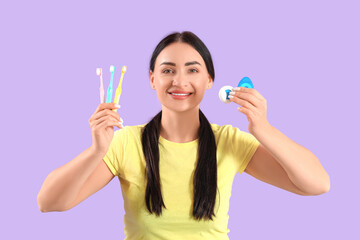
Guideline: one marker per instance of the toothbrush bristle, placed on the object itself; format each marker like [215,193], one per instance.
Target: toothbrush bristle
[112,68]
[98,71]
[123,70]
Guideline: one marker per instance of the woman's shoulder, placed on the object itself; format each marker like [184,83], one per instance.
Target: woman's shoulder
[131,129]
[229,134]
[226,130]
[221,128]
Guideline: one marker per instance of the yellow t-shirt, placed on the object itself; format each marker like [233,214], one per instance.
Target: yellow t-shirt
[126,160]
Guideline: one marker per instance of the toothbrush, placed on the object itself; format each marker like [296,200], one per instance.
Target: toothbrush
[118,90]
[99,73]
[110,89]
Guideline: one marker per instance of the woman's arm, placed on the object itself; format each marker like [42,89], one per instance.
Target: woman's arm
[62,186]
[301,166]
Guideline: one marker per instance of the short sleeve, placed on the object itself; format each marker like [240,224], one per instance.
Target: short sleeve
[244,147]
[114,157]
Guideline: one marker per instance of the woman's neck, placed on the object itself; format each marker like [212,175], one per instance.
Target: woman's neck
[180,127]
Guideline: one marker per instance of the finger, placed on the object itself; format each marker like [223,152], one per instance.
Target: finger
[95,123]
[107,123]
[245,97]
[244,110]
[106,112]
[103,106]
[251,91]
[250,98]
[243,103]
[103,119]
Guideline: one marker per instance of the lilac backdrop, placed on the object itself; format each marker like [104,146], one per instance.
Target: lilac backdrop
[303,58]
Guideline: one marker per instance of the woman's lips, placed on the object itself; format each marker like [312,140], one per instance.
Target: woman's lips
[180,97]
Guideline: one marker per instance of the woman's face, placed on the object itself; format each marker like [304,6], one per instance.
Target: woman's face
[179,67]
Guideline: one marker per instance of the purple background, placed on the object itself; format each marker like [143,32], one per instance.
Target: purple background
[302,57]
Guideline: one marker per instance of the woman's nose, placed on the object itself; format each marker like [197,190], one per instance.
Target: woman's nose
[180,79]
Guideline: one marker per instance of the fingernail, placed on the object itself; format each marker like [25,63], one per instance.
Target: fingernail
[117,105]
[121,120]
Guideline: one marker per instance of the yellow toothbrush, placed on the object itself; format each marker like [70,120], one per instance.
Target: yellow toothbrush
[118,90]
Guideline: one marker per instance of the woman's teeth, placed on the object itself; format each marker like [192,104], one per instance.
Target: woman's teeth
[180,94]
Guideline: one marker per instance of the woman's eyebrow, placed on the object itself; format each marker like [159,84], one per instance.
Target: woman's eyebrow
[192,63]
[186,64]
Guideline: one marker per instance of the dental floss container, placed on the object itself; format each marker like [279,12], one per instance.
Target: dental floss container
[224,91]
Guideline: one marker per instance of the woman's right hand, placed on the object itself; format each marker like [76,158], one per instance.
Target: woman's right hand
[102,124]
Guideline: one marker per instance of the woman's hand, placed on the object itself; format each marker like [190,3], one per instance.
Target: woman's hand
[102,124]
[253,105]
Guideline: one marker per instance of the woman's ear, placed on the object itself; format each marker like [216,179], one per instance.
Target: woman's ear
[210,83]
[152,84]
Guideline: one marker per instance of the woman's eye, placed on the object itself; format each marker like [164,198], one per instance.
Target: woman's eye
[167,71]
[193,70]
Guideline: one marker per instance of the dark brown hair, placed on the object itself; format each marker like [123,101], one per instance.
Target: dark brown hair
[205,176]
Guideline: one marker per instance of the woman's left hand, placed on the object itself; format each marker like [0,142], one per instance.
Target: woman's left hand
[253,105]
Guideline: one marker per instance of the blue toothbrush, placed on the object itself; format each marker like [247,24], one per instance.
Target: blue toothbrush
[110,88]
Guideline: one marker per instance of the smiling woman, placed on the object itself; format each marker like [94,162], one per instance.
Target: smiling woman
[177,170]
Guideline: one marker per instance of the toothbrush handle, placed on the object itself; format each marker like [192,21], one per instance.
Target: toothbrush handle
[109,96]
[117,97]
[110,89]
[102,94]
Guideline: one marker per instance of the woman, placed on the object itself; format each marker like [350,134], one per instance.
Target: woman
[176,171]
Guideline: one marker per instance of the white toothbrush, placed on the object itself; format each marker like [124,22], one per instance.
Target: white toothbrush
[102,95]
